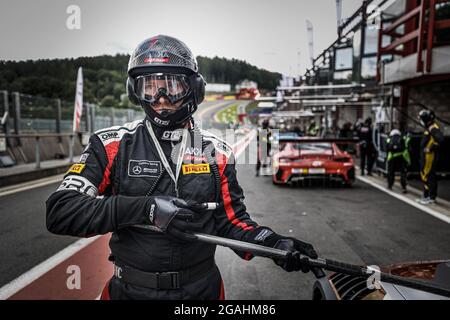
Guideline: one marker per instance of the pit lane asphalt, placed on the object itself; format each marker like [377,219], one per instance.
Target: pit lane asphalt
[357,225]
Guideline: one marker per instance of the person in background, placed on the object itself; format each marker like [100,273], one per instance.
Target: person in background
[398,158]
[429,148]
[346,132]
[367,148]
[263,146]
[299,131]
[313,129]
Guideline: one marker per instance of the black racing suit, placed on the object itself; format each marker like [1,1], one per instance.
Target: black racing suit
[367,148]
[121,163]
[431,141]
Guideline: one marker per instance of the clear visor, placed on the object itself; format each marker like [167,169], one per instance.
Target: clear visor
[171,86]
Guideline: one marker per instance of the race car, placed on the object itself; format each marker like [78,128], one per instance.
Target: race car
[300,159]
[339,286]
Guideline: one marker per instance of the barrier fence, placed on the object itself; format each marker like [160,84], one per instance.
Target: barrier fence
[34,129]
[33,114]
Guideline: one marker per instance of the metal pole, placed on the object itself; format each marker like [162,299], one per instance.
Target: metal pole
[58,118]
[431,27]
[5,111]
[38,158]
[88,118]
[71,145]
[112,116]
[391,102]
[231,243]
[6,115]
[363,37]
[17,115]
[93,117]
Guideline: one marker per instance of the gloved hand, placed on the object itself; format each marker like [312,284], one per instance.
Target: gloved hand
[295,247]
[178,217]
[292,262]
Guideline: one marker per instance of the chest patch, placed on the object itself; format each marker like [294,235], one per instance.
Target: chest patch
[174,136]
[194,155]
[196,168]
[144,168]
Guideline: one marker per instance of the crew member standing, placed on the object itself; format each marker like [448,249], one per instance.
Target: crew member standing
[162,172]
[398,158]
[263,146]
[313,129]
[367,148]
[429,147]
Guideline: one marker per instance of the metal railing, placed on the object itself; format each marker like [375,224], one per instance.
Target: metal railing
[37,138]
[26,116]
[26,113]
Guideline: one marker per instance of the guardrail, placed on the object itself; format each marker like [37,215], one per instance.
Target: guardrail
[37,137]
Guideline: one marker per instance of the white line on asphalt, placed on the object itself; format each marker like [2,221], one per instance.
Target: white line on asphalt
[30,185]
[247,139]
[28,277]
[428,210]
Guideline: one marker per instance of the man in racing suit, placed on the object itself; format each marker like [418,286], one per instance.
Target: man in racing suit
[366,146]
[429,147]
[160,172]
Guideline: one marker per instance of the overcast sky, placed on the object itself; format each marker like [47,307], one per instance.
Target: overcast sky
[266,33]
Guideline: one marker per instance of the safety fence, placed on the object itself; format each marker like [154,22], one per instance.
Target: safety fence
[33,114]
[35,129]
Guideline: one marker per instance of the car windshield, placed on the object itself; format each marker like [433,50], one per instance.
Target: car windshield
[315,146]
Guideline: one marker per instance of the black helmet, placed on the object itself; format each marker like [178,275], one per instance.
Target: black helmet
[368,121]
[426,117]
[164,57]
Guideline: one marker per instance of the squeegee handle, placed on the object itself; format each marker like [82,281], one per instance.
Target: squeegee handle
[255,249]
[317,265]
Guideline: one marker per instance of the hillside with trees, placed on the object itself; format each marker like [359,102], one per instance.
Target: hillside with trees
[105,76]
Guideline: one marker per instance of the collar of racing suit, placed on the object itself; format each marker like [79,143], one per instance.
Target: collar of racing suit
[172,134]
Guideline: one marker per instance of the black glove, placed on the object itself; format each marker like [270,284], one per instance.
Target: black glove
[295,247]
[178,217]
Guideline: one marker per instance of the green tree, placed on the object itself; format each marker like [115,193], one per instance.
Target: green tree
[109,102]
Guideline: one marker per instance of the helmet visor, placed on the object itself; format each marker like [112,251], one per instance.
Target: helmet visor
[152,87]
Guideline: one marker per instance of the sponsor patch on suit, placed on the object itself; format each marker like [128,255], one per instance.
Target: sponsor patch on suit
[196,168]
[144,168]
[83,158]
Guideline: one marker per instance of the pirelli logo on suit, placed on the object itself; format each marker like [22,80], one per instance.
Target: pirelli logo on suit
[196,168]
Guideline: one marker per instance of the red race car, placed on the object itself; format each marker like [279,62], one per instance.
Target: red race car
[303,159]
